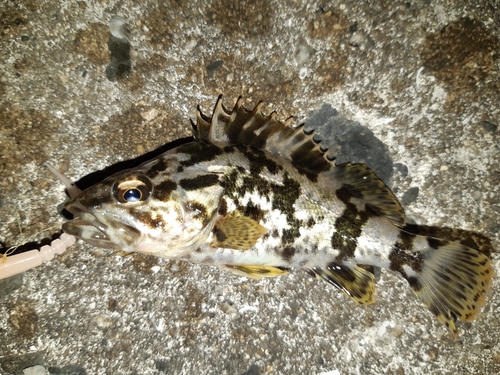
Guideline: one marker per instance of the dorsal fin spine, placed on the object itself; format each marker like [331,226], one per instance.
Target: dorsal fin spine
[264,132]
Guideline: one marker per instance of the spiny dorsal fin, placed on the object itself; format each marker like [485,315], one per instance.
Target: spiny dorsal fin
[264,132]
[366,185]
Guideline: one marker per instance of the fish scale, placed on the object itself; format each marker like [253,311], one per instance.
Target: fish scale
[259,197]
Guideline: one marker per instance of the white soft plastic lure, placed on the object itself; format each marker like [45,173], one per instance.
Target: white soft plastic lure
[11,265]
[14,264]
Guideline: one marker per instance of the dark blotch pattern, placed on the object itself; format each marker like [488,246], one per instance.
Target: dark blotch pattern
[146,218]
[283,196]
[163,190]
[259,160]
[311,175]
[201,211]
[199,151]
[199,182]
[401,254]
[414,283]
[399,258]
[435,243]
[348,226]
[465,237]
[219,234]
[405,241]
[97,196]
[223,207]
[158,168]
[252,211]
[288,253]
[311,222]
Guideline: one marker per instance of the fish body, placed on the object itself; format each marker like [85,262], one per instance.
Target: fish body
[259,197]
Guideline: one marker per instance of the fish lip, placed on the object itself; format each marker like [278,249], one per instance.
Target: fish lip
[86,216]
[92,230]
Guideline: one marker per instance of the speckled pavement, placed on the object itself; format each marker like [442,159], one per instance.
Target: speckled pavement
[418,79]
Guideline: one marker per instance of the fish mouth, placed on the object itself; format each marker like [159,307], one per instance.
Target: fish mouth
[92,230]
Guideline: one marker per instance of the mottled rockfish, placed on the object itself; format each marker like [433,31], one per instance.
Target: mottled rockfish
[258,197]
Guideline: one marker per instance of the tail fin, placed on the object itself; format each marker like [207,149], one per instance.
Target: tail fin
[468,238]
[453,281]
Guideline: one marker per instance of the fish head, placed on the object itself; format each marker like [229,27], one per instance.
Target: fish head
[146,210]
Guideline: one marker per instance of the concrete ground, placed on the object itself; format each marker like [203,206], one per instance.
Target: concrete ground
[419,79]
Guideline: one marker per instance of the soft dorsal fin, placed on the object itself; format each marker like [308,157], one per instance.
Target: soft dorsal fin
[264,132]
[365,184]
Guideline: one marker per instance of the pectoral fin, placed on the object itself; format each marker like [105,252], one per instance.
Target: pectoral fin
[237,232]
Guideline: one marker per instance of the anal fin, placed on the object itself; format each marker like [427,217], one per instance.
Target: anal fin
[356,282]
[255,272]
[376,271]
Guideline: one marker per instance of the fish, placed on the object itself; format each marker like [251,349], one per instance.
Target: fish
[260,197]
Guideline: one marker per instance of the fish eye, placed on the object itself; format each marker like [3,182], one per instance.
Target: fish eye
[132,195]
[132,189]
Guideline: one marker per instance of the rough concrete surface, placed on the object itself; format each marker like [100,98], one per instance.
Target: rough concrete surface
[419,79]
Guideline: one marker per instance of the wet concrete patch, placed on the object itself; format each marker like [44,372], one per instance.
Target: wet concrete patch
[350,142]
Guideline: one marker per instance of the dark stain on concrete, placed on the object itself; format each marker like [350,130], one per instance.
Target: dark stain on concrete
[253,79]
[163,21]
[349,141]
[24,319]
[16,363]
[13,21]
[10,284]
[92,42]
[252,370]
[410,196]
[26,135]
[67,370]
[126,132]
[248,18]
[21,65]
[3,90]
[461,54]
[143,263]
[334,26]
